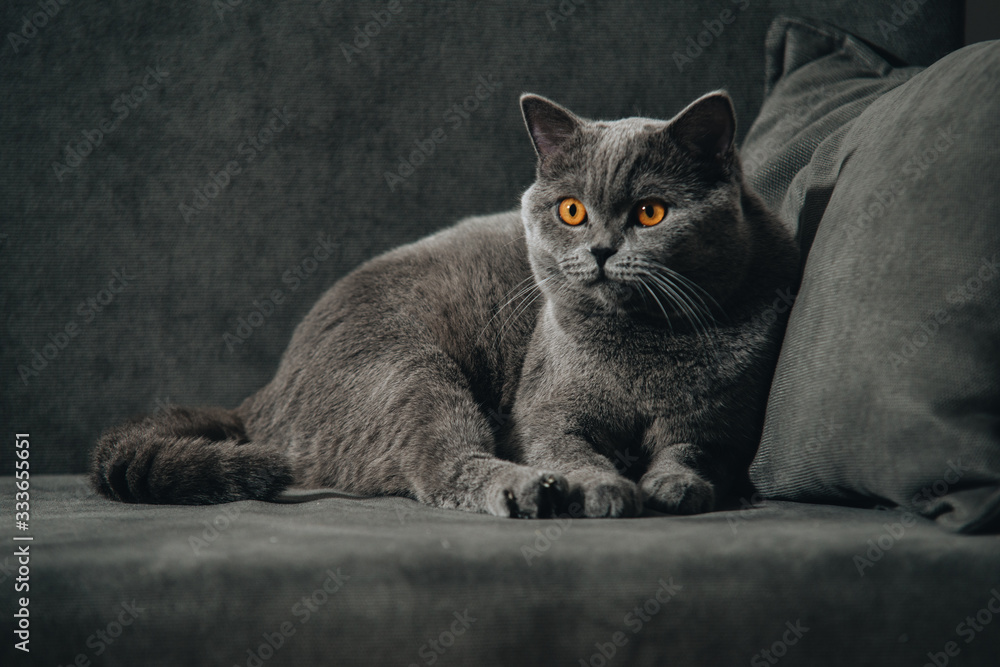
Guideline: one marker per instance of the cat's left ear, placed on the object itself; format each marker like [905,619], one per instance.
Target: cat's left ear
[707,126]
[549,124]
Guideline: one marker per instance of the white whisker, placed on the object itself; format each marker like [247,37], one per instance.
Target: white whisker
[662,309]
[520,309]
[697,290]
[520,292]
[679,300]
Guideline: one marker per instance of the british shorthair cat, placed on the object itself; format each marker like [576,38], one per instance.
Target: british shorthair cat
[620,323]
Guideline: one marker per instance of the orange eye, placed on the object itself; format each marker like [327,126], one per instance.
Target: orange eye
[651,212]
[571,211]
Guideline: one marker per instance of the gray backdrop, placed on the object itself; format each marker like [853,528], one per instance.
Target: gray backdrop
[171,171]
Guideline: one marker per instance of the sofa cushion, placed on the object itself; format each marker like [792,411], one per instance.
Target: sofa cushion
[818,79]
[888,385]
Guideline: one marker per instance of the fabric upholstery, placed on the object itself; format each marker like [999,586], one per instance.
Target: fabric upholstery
[385,577]
[818,80]
[887,388]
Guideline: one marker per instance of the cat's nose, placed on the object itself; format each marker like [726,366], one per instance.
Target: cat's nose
[601,255]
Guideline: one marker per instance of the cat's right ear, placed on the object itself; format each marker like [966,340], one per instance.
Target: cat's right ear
[549,124]
[707,126]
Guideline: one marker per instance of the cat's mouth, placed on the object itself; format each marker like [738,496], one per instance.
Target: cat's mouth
[624,289]
[608,289]
[615,288]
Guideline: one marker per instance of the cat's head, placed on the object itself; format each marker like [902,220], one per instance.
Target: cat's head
[636,215]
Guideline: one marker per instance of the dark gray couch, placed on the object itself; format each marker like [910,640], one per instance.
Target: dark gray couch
[243,156]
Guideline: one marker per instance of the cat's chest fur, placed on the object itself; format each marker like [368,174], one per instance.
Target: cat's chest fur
[631,373]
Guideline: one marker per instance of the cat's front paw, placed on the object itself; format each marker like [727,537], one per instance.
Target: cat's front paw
[678,493]
[528,493]
[605,495]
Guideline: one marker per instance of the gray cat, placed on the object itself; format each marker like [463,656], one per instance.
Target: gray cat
[609,346]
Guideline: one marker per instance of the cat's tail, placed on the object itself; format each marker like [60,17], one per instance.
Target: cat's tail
[186,456]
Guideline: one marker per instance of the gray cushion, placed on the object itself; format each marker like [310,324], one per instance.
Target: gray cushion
[818,80]
[216,582]
[888,386]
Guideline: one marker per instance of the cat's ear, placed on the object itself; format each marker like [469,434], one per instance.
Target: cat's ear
[549,124]
[707,126]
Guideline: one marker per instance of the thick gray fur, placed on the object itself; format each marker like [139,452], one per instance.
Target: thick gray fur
[517,365]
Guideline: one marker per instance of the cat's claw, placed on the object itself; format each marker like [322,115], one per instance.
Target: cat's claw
[678,493]
[533,494]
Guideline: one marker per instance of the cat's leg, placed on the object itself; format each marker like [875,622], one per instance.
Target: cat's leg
[685,478]
[484,483]
[550,440]
[447,452]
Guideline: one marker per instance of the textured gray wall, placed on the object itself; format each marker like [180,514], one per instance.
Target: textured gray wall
[116,299]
